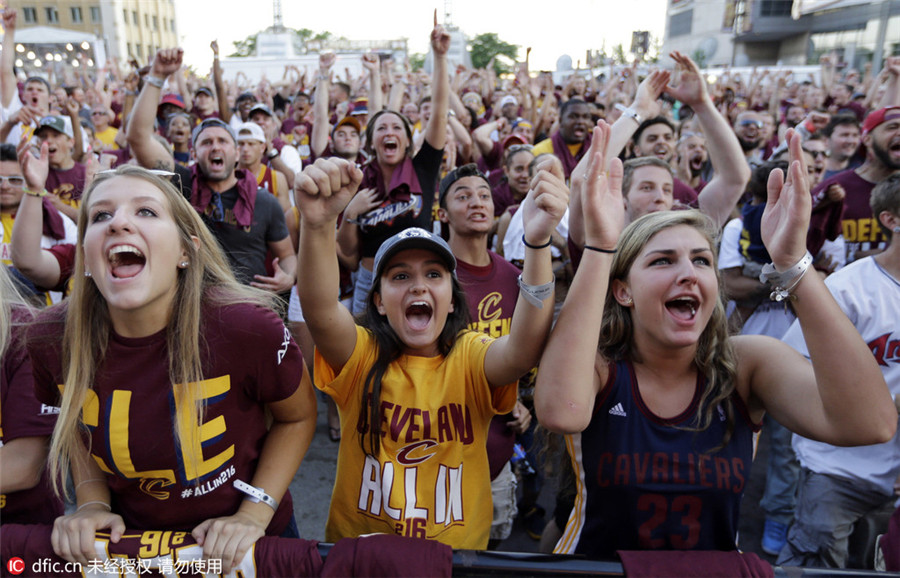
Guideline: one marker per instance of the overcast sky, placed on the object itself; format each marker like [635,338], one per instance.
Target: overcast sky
[550,28]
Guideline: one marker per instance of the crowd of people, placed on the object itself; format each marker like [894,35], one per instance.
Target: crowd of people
[620,281]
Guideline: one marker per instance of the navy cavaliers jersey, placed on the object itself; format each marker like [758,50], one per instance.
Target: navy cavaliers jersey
[644,482]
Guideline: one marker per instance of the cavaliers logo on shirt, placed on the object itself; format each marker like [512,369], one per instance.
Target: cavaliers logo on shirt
[387,213]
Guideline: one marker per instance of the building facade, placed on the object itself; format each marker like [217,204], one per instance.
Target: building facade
[783,32]
[129,28]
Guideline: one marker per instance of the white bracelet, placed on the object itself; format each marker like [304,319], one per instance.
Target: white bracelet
[255,494]
[783,282]
[108,507]
[154,80]
[535,294]
[630,113]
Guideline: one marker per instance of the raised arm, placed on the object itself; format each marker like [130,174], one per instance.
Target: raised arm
[514,354]
[892,86]
[28,257]
[8,88]
[720,196]
[571,371]
[321,126]
[645,105]
[219,83]
[376,97]
[148,152]
[841,398]
[436,131]
[321,192]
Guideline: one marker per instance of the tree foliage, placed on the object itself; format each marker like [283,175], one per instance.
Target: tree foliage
[416,61]
[245,47]
[484,47]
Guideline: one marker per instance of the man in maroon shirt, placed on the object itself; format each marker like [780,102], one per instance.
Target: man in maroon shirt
[862,234]
[491,286]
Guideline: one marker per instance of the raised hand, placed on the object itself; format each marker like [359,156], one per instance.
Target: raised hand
[546,203]
[34,169]
[603,207]
[166,62]
[440,38]
[214,45]
[691,88]
[786,217]
[326,61]
[9,19]
[324,188]
[646,100]
[370,63]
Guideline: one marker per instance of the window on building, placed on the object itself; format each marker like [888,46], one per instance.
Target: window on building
[147,20]
[52,14]
[680,24]
[156,22]
[76,15]
[172,24]
[30,15]
[128,48]
[140,51]
[775,7]
[134,17]
[95,14]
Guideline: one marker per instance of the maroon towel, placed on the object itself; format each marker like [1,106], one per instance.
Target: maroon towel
[53,223]
[404,181]
[201,195]
[695,563]
[388,555]
[31,543]
[561,150]
[890,544]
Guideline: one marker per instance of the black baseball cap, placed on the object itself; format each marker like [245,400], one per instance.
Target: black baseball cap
[413,238]
[469,170]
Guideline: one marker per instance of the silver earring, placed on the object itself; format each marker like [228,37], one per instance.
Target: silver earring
[628,302]
[896,229]
[183,264]
[87,273]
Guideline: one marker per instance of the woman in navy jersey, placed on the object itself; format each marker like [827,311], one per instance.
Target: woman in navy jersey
[184,403]
[658,402]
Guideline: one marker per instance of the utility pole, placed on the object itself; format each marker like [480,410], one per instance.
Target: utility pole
[878,56]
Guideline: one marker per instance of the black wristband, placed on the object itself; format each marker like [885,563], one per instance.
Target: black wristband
[600,249]
[530,246]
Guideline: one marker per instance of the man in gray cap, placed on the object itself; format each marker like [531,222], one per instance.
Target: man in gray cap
[246,220]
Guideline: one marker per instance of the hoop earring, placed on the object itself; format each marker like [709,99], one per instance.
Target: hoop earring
[87,273]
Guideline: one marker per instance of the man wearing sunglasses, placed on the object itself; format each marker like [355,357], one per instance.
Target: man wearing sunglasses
[247,221]
[748,128]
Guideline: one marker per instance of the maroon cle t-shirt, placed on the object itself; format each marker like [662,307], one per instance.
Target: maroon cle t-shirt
[249,360]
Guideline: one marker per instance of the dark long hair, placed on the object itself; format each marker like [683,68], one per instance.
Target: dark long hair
[389,349]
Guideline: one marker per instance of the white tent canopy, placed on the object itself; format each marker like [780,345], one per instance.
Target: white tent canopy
[51,35]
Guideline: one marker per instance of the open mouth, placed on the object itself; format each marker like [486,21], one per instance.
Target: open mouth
[683,308]
[126,261]
[390,145]
[216,162]
[696,162]
[419,314]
